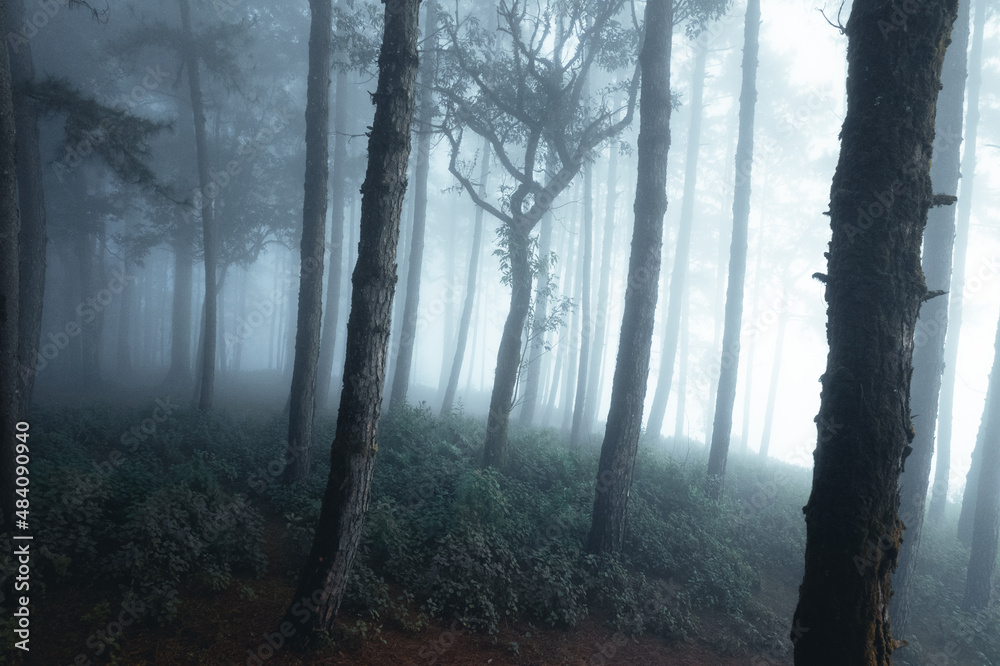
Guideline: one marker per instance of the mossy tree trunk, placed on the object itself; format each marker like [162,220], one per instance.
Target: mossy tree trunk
[722,425]
[932,325]
[880,196]
[321,586]
[628,392]
[302,401]
[31,204]
[9,279]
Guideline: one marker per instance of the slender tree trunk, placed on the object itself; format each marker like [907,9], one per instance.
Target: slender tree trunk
[331,318]
[241,317]
[324,578]
[552,361]
[31,202]
[722,425]
[682,372]
[509,355]
[569,348]
[576,433]
[754,333]
[772,391]
[967,517]
[932,325]
[408,332]
[302,404]
[125,315]
[983,558]
[90,317]
[9,290]
[191,65]
[718,306]
[628,393]
[879,201]
[536,348]
[470,291]
[678,276]
[179,374]
[939,496]
[593,396]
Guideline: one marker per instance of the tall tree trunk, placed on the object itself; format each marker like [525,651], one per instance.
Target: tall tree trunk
[576,433]
[179,374]
[573,267]
[932,325]
[722,425]
[331,317]
[509,355]
[718,303]
[302,403]
[939,496]
[628,392]
[678,277]
[983,558]
[323,581]
[967,517]
[536,347]
[426,108]
[191,65]
[470,290]
[754,333]
[682,353]
[31,203]
[880,196]
[90,317]
[772,391]
[9,278]
[241,315]
[604,286]
[125,316]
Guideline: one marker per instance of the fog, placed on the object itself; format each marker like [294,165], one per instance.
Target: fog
[123,311]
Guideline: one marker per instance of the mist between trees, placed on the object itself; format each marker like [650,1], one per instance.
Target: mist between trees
[527,331]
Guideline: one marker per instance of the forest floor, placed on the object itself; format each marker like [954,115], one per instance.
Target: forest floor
[230,626]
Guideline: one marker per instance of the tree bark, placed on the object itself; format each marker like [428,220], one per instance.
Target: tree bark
[983,558]
[722,425]
[179,374]
[754,333]
[302,404]
[426,108]
[321,586]
[205,198]
[772,391]
[628,392]
[125,315]
[536,347]
[880,196]
[964,214]
[31,204]
[470,291]
[576,432]
[9,290]
[932,325]
[604,286]
[682,354]
[678,277]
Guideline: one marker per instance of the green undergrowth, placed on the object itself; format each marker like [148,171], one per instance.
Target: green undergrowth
[146,505]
